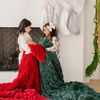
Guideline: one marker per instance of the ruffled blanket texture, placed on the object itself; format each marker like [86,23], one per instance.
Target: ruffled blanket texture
[27,84]
[52,83]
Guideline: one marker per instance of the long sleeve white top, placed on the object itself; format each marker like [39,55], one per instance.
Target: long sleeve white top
[22,43]
[55,45]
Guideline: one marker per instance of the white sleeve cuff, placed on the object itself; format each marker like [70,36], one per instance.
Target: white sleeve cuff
[55,44]
[24,45]
[67,7]
[77,7]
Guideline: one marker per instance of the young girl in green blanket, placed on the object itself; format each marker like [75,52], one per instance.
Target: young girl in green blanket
[51,77]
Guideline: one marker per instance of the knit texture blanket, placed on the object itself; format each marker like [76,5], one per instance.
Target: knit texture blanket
[27,84]
[52,83]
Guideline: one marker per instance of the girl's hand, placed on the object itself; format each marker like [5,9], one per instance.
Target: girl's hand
[31,43]
[39,42]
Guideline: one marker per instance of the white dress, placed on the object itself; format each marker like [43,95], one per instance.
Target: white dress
[22,43]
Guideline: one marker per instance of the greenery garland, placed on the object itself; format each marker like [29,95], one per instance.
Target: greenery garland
[93,66]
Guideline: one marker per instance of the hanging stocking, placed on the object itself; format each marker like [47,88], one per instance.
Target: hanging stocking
[55,20]
[56,15]
[73,19]
[46,15]
[64,17]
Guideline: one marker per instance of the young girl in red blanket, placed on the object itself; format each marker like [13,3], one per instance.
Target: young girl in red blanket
[27,84]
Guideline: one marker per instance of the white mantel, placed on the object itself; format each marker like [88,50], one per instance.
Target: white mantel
[73,49]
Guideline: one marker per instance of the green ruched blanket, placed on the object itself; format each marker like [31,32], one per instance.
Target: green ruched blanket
[52,83]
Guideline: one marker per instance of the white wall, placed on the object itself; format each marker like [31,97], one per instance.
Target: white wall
[13,11]
[71,52]
[75,51]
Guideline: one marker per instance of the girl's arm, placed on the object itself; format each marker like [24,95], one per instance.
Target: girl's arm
[23,44]
[55,44]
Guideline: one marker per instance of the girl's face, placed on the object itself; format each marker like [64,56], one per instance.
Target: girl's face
[46,31]
[28,29]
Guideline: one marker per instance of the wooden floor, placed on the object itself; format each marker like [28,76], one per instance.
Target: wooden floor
[95,84]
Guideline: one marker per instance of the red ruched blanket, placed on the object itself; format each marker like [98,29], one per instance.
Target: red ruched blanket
[27,84]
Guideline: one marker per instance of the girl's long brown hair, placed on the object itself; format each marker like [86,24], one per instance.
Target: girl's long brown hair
[53,33]
[21,29]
